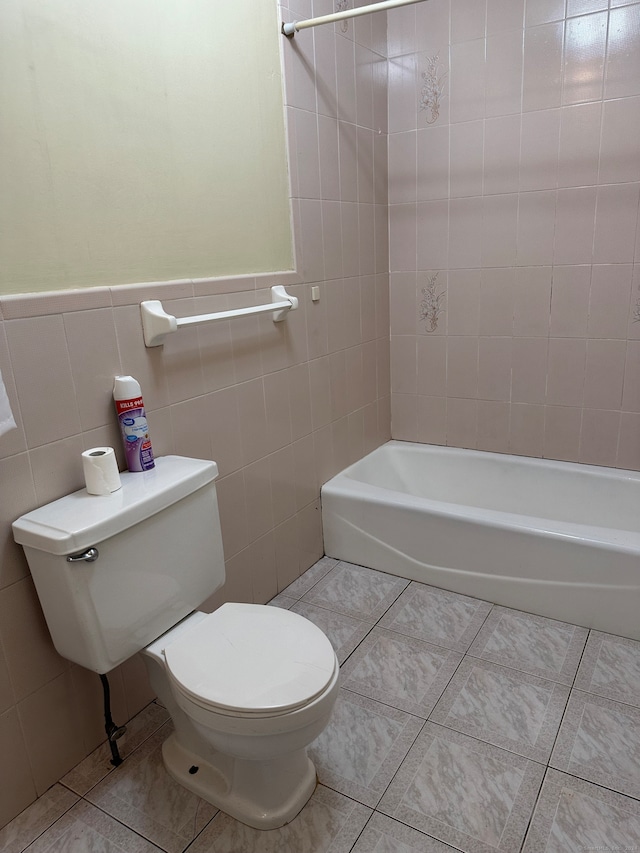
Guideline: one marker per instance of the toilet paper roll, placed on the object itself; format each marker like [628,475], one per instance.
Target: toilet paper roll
[101,471]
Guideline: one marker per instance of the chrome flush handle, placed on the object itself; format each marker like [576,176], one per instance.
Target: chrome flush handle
[88,556]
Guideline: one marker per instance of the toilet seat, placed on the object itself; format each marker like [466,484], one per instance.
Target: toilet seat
[248,660]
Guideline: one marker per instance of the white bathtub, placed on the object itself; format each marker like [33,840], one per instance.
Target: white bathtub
[553,538]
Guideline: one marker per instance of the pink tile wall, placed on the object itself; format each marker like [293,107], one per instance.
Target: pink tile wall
[281,408]
[515,254]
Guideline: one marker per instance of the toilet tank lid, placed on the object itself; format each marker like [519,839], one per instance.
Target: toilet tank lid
[80,520]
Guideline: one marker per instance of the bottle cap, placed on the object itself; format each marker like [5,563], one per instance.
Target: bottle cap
[126,388]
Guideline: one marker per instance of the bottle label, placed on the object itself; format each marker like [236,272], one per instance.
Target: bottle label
[135,434]
[127,405]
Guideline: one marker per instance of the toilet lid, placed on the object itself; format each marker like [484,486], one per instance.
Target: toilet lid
[252,659]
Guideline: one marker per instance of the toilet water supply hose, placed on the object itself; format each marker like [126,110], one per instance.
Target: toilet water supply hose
[113,732]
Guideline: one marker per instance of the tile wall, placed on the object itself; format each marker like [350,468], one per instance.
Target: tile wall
[514,182]
[281,408]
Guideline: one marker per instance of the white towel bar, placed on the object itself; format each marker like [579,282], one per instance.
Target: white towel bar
[156,322]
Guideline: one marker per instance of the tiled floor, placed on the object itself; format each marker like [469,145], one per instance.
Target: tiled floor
[460,725]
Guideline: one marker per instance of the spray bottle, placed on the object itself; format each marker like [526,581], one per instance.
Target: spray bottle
[133,424]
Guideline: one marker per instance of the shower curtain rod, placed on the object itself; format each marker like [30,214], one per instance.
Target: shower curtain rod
[290,30]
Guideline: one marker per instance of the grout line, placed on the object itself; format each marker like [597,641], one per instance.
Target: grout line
[59,817]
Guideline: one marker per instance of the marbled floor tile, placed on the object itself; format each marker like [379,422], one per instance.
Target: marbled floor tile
[510,709]
[384,835]
[437,616]
[599,740]
[362,747]
[35,819]
[329,823]
[573,816]
[531,644]
[401,671]
[356,591]
[141,794]
[610,667]
[345,632]
[98,765]
[310,578]
[469,794]
[282,600]
[86,829]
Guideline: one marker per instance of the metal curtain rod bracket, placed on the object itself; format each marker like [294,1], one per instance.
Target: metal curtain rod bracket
[291,29]
[156,322]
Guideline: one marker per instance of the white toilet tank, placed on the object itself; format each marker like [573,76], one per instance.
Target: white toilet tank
[159,557]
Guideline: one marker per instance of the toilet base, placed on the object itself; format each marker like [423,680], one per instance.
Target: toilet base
[262,794]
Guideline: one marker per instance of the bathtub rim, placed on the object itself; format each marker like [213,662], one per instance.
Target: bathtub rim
[590,582]
[617,539]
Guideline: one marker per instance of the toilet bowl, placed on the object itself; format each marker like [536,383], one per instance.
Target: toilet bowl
[248,687]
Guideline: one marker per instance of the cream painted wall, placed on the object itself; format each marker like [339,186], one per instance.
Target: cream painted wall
[140,140]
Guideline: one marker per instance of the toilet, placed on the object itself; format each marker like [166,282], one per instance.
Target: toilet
[248,687]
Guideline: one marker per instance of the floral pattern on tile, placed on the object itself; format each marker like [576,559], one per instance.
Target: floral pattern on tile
[356,591]
[342,6]
[610,667]
[401,671]
[513,710]
[469,794]
[362,747]
[35,819]
[344,632]
[141,794]
[599,740]
[86,829]
[329,823]
[432,91]
[533,644]
[575,815]
[432,303]
[384,835]
[437,616]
